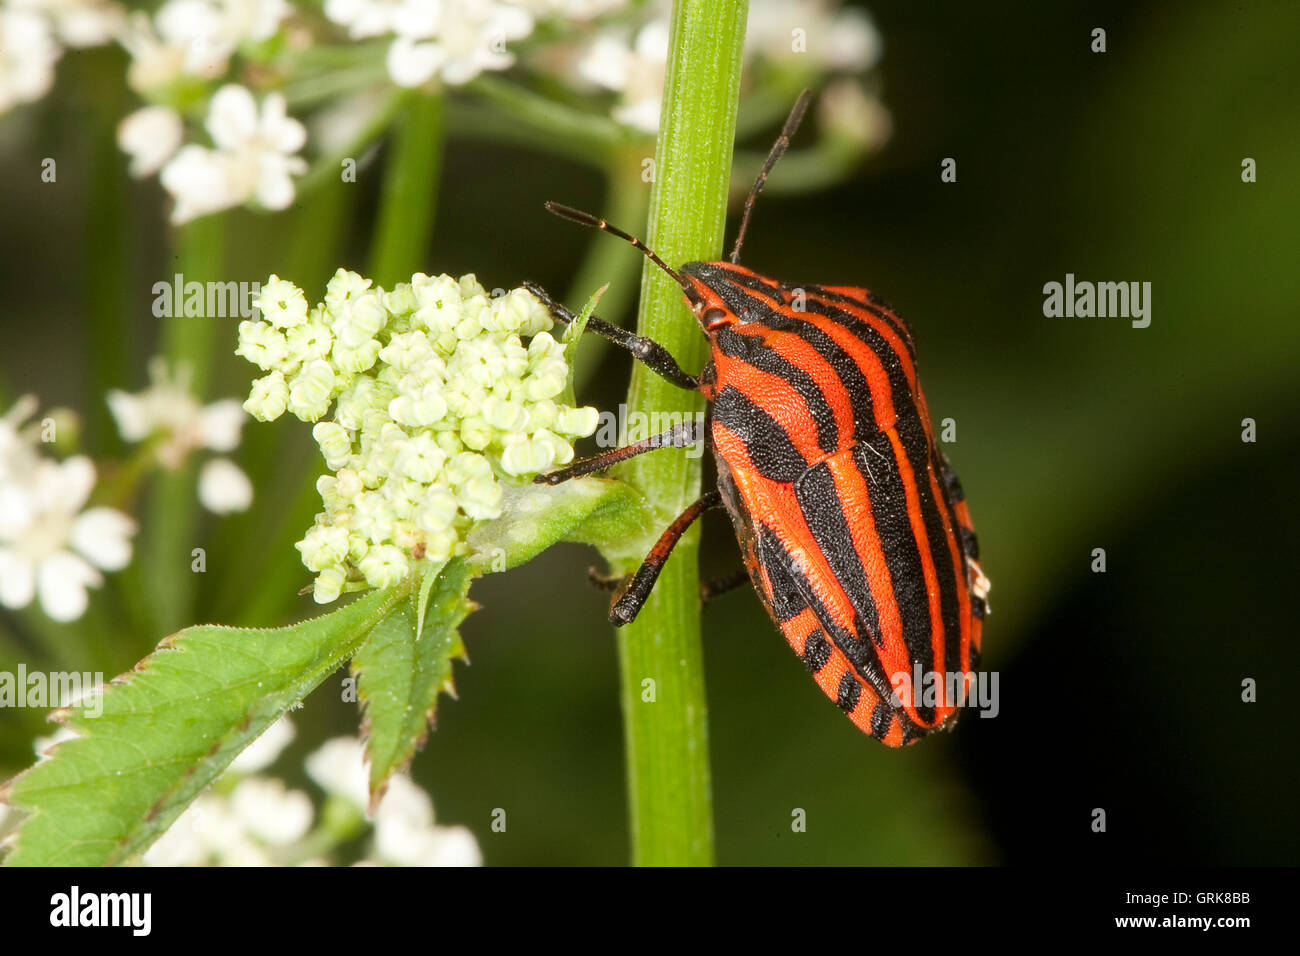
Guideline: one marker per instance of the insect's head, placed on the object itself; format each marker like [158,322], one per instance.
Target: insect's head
[704,285]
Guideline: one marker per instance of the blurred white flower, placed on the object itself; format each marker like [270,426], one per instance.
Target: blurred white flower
[50,548]
[455,40]
[372,18]
[184,39]
[261,821]
[254,20]
[194,38]
[338,767]
[223,487]
[78,23]
[634,68]
[28,53]
[405,834]
[264,751]
[168,412]
[269,811]
[844,110]
[18,455]
[167,408]
[254,157]
[150,136]
[817,35]
[208,833]
[832,37]
[571,9]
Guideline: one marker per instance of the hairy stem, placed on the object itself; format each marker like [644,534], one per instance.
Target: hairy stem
[400,246]
[666,721]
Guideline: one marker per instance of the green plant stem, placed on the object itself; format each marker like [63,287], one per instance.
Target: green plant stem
[562,124]
[164,577]
[410,191]
[667,739]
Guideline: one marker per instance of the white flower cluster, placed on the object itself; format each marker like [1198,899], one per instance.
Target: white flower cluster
[188,40]
[405,834]
[51,546]
[254,154]
[453,40]
[33,34]
[260,822]
[436,401]
[818,36]
[183,46]
[168,413]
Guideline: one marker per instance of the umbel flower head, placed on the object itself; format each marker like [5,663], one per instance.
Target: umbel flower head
[425,399]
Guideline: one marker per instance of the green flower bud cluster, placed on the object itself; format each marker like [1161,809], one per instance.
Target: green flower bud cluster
[436,401]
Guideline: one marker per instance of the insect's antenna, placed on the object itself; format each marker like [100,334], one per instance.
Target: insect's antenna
[778,149]
[595,222]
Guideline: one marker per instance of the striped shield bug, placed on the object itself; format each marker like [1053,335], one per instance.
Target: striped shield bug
[853,527]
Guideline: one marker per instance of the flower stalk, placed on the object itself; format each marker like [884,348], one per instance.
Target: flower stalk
[666,723]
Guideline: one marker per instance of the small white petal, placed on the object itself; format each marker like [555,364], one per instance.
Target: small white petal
[278,130]
[271,812]
[274,184]
[224,488]
[606,62]
[18,509]
[61,583]
[150,136]
[232,116]
[17,579]
[411,63]
[67,486]
[339,767]
[131,412]
[201,181]
[220,424]
[642,115]
[263,751]
[103,537]
[454,846]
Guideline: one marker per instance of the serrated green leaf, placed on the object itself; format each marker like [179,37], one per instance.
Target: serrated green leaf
[170,726]
[593,510]
[572,337]
[404,665]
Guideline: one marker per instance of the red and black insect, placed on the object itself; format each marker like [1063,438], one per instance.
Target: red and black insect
[853,526]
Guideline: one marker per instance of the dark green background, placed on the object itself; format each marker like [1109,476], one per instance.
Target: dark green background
[1119,690]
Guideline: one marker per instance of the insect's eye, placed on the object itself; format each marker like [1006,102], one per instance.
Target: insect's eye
[713,316]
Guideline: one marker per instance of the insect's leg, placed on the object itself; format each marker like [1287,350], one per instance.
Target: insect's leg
[719,586]
[655,357]
[979,582]
[605,582]
[632,594]
[970,544]
[682,435]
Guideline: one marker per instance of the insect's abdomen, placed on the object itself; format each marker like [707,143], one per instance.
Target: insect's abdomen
[853,525]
